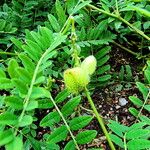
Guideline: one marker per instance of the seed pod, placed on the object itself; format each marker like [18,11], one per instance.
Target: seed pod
[89,64]
[75,79]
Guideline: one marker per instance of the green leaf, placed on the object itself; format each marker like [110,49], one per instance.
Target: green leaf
[69,107]
[44,103]
[50,119]
[54,23]
[16,42]
[39,92]
[142,11]
[128,73]
[14,102]
[24,75]
[8,118]
[103,61]
[137,133]
[32,105]
[6,137]
[16,144]
[118,141]
[2,24]
[80,6]
[135,100]
[12,65]
[62,96]
[103,69]
[147,75]
[133,111]
[60,12]
[26,120]
[2,73]
[145,119]
[117,128]
[70,146]
[147,107]
[6,84]
[79,122]
[121,73]
[58,135]
[20,85]
[86,136]
[27,62]
[143,89]
[104,78]
[138,144]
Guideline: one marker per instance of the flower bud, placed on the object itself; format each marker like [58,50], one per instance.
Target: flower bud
[76,79]
[89,64]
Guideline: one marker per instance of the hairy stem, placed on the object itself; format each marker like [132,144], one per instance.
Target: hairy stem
[67,126]
[100,120]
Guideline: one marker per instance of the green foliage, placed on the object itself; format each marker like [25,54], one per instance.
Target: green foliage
[130,137]
[37,40]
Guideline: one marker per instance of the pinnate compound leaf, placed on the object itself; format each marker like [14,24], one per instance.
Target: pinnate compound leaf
[26,120]
[70,146]
[8,118]
[138,144]
[58,135]
[6,137]
[80,122]
[50,119]
[86,136]
[68,108]
[16,144]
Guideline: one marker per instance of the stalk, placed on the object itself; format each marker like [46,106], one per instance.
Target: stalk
[100,120]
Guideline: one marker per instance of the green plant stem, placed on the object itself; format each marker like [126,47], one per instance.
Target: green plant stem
[100,120]
[121,19]
[126,49]
[8,53]
[124,141]
[145,101]
[67,126]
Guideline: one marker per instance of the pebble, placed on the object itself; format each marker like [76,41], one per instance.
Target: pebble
[117,107]
[122,101]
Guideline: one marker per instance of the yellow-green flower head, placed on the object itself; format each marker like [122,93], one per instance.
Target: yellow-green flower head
[76,79]
[89,64]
